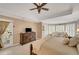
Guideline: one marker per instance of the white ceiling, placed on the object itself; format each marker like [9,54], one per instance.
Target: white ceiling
[22,11]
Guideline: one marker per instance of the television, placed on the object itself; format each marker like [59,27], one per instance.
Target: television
[28,30]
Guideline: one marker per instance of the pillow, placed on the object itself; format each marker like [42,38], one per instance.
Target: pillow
[72,42]
[66,41]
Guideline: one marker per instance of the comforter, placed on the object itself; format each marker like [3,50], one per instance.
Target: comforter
[53,46]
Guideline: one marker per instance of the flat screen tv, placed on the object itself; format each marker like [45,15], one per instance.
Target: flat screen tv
[28,30]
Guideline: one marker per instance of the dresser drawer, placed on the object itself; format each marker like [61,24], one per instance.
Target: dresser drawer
[27,37]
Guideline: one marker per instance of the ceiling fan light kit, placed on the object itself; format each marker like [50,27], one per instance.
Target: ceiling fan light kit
[39,7]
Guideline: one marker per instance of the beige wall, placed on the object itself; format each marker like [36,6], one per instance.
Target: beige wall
[20,25]
[39,30]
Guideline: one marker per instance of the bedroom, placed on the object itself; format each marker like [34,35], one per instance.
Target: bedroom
[54,21]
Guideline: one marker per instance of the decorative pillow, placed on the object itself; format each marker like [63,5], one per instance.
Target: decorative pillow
[66,41]
[65,35]
[72,42]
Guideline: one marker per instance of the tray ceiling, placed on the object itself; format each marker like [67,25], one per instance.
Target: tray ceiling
[21,10]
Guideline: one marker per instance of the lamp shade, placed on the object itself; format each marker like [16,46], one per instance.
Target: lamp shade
[78,30]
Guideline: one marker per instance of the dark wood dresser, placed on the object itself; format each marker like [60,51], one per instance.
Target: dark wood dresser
[27,37]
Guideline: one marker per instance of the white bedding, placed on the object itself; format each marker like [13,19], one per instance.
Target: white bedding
[53,46]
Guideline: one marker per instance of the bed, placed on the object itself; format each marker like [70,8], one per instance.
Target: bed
[52,45]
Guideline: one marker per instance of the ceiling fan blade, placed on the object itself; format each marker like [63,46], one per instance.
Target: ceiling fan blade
[43,4]
[45,9]
[33,8]
[35,4]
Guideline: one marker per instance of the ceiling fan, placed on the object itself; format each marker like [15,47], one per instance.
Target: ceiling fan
[39,7]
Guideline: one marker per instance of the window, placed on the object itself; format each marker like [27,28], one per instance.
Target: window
[51,28]
[59,28]
[69,28]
